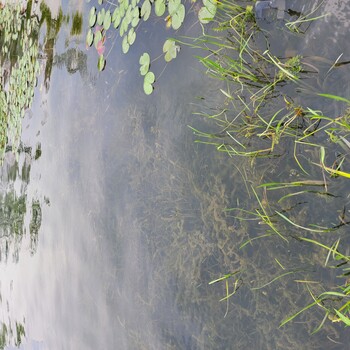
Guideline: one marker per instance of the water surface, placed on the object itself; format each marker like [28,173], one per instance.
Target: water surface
[133,223]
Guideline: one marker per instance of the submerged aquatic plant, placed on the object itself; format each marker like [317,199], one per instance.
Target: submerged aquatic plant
[257,119]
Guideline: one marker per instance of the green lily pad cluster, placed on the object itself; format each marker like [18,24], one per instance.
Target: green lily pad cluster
[149,77]
[125,18]
[18,39]
[208,11]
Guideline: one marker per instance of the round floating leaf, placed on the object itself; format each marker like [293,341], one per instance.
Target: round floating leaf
[176,22]
[131,36]
[204,15]
[181,12]
[146,10]
[173,6]
[100,2]
[147,83]
[100,17]
[170,49]
[97,38]
[159,7]
[133,3]
[89,37]
[122,11]
[208,11]
[211,5]
[128,16]
[117,21]
[150,78]
[92,16]
[144,62]
[176,12]
[147,88]
[125,45]
[101,63]
[135,12]
[107,20]
[135,22]
[115,13]
[123,27]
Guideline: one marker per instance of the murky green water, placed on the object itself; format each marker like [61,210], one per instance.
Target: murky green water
[115,221]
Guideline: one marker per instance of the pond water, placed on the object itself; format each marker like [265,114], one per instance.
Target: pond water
[124,214]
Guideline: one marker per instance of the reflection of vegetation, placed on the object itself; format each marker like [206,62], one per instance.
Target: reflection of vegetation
[52,28]
[13,207]
[19,42]
[12,212]
[77,24]
[3,336]
[19,49]
[34,225]
[259,119]
[6,333]
[75,61]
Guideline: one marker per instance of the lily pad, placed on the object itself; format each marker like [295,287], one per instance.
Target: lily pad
[211,5]
[147,83]
[173,6]
[97,38]
[176,12]
[128,15]
[125,44]
[208,11]
[131,36]
[117,21]
[101,64]
[89,37]
[135,21]
[126,4]
[178,17]
[170,49]
[107,20]
[123,27]
[101,16]
[122,11]
[92,16]
[115,13]
[146,10]
[159,7]
[135,12]
[144,62]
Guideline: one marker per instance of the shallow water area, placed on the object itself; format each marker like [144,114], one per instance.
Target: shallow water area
[125,222]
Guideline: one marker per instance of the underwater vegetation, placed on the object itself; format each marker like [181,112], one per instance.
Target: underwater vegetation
[302,154]
[262,118]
